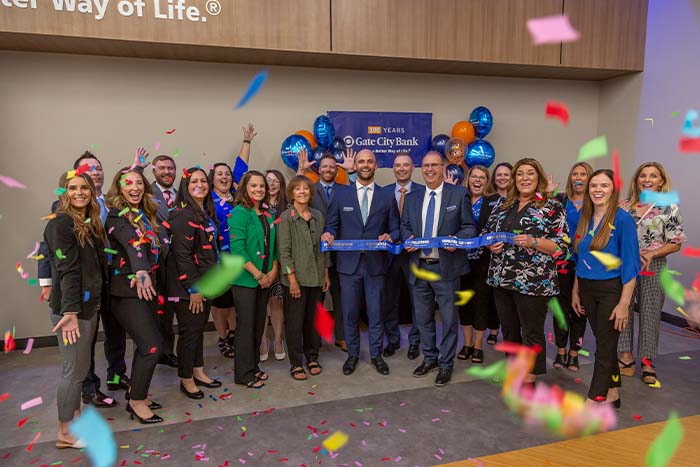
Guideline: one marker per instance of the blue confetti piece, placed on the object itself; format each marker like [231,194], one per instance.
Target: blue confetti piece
[91,428]
[86,296]
[688,128]
[659,198]
[253,88]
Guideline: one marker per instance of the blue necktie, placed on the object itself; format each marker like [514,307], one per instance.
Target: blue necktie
[364,208]
[103,210]
[328,192]
[428,230]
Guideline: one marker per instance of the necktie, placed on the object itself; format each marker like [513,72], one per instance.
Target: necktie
[402,190]
[103,210]
[428,230]
[328,193]
[364,208]
[168,198]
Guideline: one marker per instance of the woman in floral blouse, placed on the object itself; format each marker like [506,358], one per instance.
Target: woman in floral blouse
[660,232]
[524,274]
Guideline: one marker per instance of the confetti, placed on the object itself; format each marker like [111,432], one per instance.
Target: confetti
[684,357]
[423,274]
[691,252]
[606,259]
[335,441]
[617,177]
[219,279]
[665,445]
[671,287]
[689,145]
[170,132]
[253,88]
[22,273]
[96,433]
[11,182]
[659,198]
[597,147]
[28,347]
[31,445]
[31,403]
[464,297]
[4,396]
[551,30]
[558,313]
[558,110]
[496,370]
[583,352]
[689,128]
[324,323]
[59,254]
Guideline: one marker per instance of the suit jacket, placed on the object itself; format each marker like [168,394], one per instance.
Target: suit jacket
[319,200]
[129,259]
[78,273]
[415,187]
[487,206]
[454,219]
[193,250]
[247,241]
[344,222]
[163,209]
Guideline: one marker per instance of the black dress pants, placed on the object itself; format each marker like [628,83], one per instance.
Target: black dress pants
[477,310]
[251,311]
[299,316]
[138,318]
[522,321]
[577,324]
[190,343]
[599,299]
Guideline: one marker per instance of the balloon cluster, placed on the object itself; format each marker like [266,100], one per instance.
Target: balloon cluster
[316,145]
[466,148]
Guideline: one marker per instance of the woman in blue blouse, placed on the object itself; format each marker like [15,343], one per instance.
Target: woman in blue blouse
[603,289]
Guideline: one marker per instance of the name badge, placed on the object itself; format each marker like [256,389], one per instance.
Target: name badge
[450,208]
[347,208]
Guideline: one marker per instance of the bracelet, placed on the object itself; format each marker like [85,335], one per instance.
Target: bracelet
[260,276]
[246,141]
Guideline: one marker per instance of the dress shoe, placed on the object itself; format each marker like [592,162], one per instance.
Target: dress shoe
[413,352]
[191,395]
[170,360]
[342,344]
[390,350]
[119,382]
[99,400]
[144,421]
[381,366]
[443,377]
[424,368]
[79,444]
[214,383]
[153,405]
[350,365]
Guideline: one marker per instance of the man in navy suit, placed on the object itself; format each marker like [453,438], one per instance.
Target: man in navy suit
[399,271]
[442,210]
[363,211]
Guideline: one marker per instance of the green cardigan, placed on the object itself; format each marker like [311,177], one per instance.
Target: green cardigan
[247,241]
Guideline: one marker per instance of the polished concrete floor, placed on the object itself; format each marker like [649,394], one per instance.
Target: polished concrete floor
[395,419]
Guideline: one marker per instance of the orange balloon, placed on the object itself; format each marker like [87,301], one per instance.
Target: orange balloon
[342,176]
[310,138]
[313,176]
[463,129]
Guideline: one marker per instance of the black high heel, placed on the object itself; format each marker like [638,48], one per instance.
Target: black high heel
[572,363]
[191,395]
[153,405]
[214,383]
[560,361]
[144,421]
[465,353]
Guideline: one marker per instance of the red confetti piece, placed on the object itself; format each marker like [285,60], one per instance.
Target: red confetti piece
[283,459]
[324,322]
[185,174]
[206,247]
[165,224]
[4,397]
[171,131]
[617,178]
[696,282]
[599,398]
[549,338]
[539,197]
[512,347]
[22,422]
[277,221]
[153,350]
[558,110]
[577,380]
[689,145]
[196,226]
[637,417]
[31,445]
[646,361]
[183,277]
[160,312]
[242,434]
[646,273]
[691,252]
[316,449]
[189,420]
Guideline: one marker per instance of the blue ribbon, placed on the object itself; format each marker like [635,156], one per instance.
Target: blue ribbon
[421,243]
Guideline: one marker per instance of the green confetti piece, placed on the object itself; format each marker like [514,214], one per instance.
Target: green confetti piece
[123,211]
[115,380]
[494,371]
[95,147]
[517,232]
[583,352]
[674,114]
[139,447]
[177,152]
[558,313]
[88,220]
[33,282]
[238,417]
[597,147]
[665,445]
[59,254]
[110,251]
[219,279]
[684,357]
[671,287]
[59,191]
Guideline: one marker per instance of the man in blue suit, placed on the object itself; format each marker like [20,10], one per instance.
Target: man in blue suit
[399,271]
[362,210]
[442,210]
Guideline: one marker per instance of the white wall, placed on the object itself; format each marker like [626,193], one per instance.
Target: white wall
[53,107]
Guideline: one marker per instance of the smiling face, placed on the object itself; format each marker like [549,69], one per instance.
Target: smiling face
[78,192]
[301,194]
[526,180]
[433,169]
[600,189]
[256,189]
[403,169]
[164,172]
[95,172]
[222,179]
[366,164]
[579,177]
[132,188]
[477,182]
[328,169]
[274,184]
[198,186]
[502,177]
[650,178]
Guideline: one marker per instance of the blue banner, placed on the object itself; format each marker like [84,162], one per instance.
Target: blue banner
[385,133]
[435,242]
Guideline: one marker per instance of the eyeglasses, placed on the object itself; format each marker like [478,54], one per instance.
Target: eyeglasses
[431,166]
[477,177]
[273,181]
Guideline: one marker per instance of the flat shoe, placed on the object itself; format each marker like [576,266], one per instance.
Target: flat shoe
[79,444]
[214,383]
[626,369]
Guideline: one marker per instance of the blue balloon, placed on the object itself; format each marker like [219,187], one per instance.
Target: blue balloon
[290,150]
[457,172]
[338,143]
[324,131]
[339,155]
[480,152]
[438,143]
[482,121]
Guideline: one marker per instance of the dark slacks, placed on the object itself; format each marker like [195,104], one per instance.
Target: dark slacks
[138,318]
[299,315]
[334,290]
[599,299]
[190,343]
[353,288]
[425,295]
[476,311]
[165,317]
[398,274]
[251,311]
[522,321]
[577,324]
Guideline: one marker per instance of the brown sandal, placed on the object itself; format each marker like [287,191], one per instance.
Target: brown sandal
[315,368]
[627,369]
[298,373]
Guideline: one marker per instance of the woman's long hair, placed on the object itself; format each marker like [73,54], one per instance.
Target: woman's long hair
[242,197]
[115,199]
[634,191]
[492,188]
[570,186]
[606,224]
[282,195]
[184,198]
[84,231]
[514,194]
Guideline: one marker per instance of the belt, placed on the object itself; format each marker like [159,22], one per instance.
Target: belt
[430,260]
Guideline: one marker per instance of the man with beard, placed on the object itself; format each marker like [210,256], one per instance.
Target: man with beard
[362,210]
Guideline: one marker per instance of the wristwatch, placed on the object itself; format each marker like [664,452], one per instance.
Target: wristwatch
[535,243]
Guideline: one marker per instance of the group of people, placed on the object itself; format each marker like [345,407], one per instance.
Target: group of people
[134,256]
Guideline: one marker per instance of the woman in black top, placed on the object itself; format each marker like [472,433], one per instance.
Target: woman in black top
[141,248]
[193,251]
[78,270]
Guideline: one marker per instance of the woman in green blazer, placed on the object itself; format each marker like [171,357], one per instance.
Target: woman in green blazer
[252,230]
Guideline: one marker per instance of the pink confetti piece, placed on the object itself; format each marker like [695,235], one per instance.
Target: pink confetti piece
[167,456]
[552,30]
[157,146]
[31,445]
[435,420]
[402,430]
[34,251]
[444,410]
[31,403]
[12,183]
[30,344]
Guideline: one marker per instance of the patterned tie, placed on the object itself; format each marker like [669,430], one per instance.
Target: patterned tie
[328,192]
[428,230]
[402,198]
[168,198]
[364,208]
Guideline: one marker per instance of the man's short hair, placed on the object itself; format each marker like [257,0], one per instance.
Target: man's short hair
[85,155]
[327,155]
[163,157]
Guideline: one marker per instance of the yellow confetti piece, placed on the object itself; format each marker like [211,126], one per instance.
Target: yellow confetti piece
[243,428]
[566,239]
[65,341]
[464,296]
[616,378]
[126,446]
[49,217]
[656,385]
[681,311]
[612,227]
[138,218]
[314,386]
[70,174]
[423,274]
[335,441]
[607,260]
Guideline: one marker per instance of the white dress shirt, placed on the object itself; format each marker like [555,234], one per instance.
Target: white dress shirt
[370,194]
[436,215]
[397,193]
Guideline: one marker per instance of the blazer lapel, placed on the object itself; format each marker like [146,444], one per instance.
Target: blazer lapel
[355,203]
[258,230]
[419,213]
[443,205]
